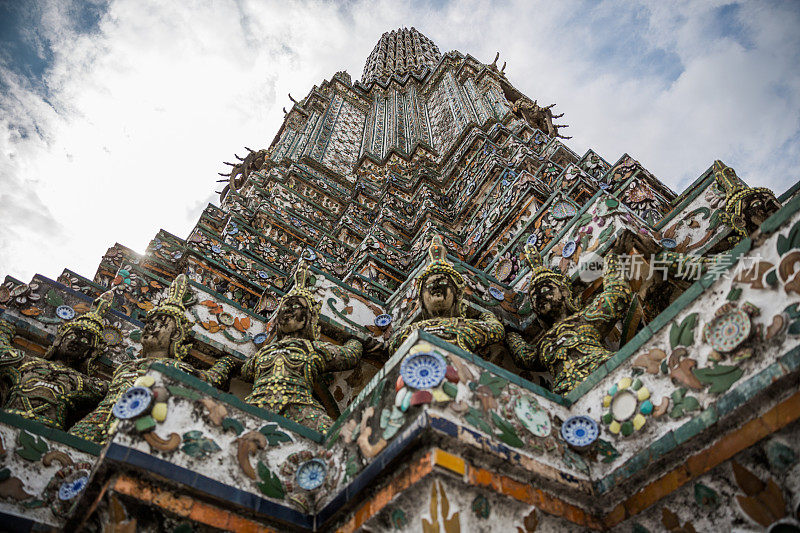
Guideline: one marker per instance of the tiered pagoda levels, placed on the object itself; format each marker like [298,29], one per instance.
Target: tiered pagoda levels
[388,323]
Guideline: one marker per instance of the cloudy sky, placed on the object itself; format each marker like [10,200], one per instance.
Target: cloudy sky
[116,116]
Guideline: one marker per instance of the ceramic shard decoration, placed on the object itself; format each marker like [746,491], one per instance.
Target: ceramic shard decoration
[532,417]
[69,489]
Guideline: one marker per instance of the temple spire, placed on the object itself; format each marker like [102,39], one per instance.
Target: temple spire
[400,51]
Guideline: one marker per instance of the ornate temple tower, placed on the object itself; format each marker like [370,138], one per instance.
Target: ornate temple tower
[388,323]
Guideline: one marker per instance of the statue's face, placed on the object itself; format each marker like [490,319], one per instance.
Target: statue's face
[547,299]
[293,315]
[438,295]
[159,332]
[74,346]
[756,211]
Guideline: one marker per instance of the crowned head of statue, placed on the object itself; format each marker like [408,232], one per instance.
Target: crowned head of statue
[166,333]
[440,286]
[549,291]
[746,208]
[298,311]
[79,342]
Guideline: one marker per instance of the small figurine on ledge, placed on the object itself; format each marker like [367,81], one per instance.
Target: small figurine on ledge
[441,290]
[166,340]
[571,346]
[286,371]
[51,390]
[746,208]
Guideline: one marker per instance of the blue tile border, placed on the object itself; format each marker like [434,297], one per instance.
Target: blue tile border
[206,485]
[17,523]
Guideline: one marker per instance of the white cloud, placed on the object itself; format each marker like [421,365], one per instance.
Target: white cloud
[146,107]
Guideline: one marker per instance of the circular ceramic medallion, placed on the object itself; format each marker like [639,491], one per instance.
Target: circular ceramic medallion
[623,405]
[263,274]
[669,244]
[497,294]
[65,312]
[233,231]
[383,320]
[724,333]
[563,210]
[177,255]
[423,370]
[532,417]
[133,402]
[226,318]
[612,202]
[579,431]
[311,474]
[569,249]
[309,254]
[503,269]
[69,489]
[112,336]
[532,239]
[604,185]
[260,338]
[216,248]
[5,294]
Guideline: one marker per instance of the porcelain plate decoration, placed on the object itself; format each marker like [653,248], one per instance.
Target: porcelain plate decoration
[311,474]
[503,269]
[532,417]
[112,336]
[133,402]
[70,489]
[580,431]
[383,320]
[724,333]
[496,293]
[65,312]
[563,210]
[423,370]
